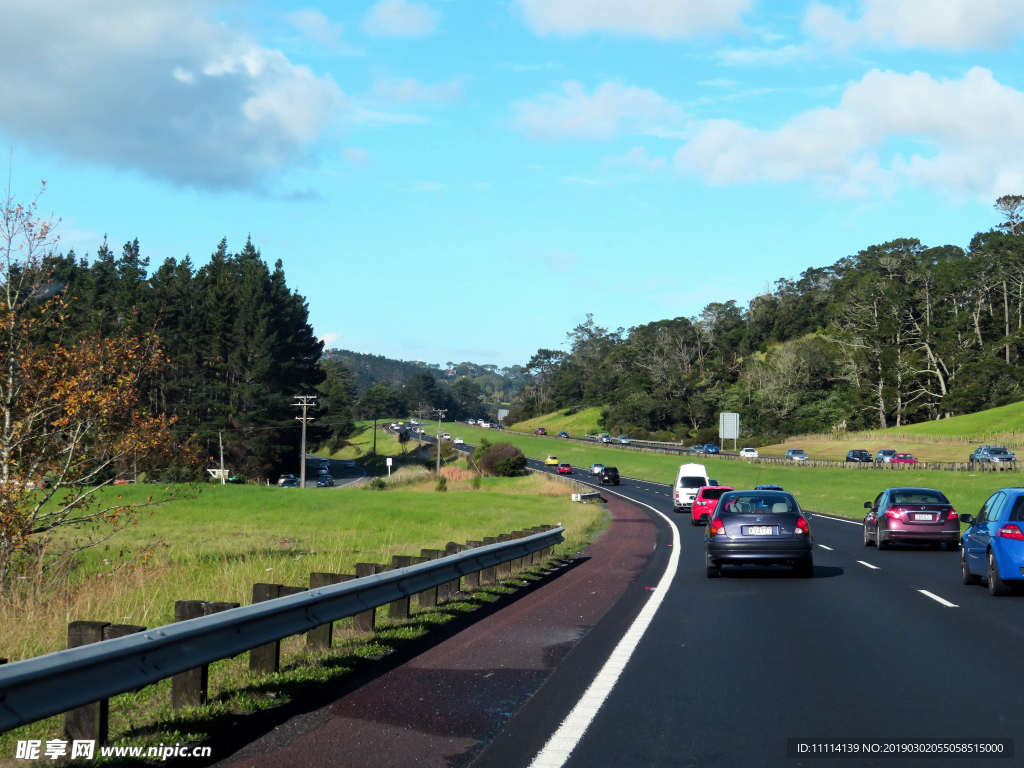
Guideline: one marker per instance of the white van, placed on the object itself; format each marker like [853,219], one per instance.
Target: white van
[692,477]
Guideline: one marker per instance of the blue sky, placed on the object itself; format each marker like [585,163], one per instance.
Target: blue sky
[512,166]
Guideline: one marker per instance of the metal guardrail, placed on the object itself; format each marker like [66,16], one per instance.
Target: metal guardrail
[586,496]
[56,682]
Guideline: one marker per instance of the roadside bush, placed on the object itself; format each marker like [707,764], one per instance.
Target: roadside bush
[442,484]
[475,482]
[499,459]
[376,484]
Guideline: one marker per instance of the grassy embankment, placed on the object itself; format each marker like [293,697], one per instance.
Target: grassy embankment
[836,491]
[578,425]
[944,440]
[217,545]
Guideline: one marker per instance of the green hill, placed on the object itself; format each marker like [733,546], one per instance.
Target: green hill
[1004,421]
[577,425]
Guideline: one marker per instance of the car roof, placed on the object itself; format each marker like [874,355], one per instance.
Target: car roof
[913,488]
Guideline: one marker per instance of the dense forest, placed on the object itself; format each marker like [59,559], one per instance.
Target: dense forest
[895,334]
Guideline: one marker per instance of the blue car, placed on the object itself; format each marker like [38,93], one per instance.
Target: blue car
[993,546]
[710,448]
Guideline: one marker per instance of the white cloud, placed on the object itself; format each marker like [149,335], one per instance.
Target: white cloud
[763,56]
[965,136]
[159,87]
[663,19]
[411,90]
[636,158]
[399,18]
[614,109]
[954,25]
[357,157]
[317,26]
[329,338]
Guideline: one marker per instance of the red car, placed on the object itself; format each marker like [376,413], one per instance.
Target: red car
[704,503]
[540,431]
[903,458]
[911,516]
[564,468]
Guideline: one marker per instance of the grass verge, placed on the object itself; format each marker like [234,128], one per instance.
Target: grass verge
[577,425]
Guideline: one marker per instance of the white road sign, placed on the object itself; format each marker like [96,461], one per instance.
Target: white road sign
[729,426]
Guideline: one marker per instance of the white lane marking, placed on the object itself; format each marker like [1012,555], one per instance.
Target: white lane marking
[828,548]
[869,565]
[938,599]
[561,744]
[819,515]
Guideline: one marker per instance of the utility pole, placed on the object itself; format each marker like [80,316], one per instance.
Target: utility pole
[440,415]
[220,439]
[305,401]
[375,436]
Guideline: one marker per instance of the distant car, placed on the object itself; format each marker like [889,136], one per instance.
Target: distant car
[595,469]
[696,448]
[394,425]
[749,453]
[605,434]
[325,481]
[458,441]
[419,430]
[323,471]
[471,421]
[710,448]
[768,488]
[884,455]
[565,468]
[413,422]
[499,425]
[563,434]
[283,479]
[858,455]
[551,461]
[291,482]
[446,436]
[911,515]
[903,458]
[325,462]
[484,424]
[704,503]
[609,475]
[623,439]
[993,545]
[350,463]
[540,431]
[760,528]
[796,454]
[604,439]
[996,454]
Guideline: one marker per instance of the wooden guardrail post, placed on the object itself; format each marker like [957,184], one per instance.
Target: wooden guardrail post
[322,637]
[428,597]
[472,580]
[399,609]
[91,721]
[449,589]
[487,575]
[190,688]
[517,563]
[504,570]
[367,620]
[266,659]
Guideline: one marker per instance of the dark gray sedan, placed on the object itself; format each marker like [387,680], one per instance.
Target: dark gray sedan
[761,528]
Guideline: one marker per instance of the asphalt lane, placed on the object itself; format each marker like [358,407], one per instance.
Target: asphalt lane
[730,668]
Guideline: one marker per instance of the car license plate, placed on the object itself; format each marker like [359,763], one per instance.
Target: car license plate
[759,530]
[922,517]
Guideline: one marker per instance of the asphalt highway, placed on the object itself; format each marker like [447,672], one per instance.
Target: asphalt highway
[729,669]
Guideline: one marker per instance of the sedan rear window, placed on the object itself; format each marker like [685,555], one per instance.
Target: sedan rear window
[1017,513]
[999,452]
[918,496]
[692,482]
[747,503]
[716,493]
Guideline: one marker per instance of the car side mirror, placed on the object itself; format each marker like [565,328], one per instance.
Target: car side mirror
[867,505]
[965,518]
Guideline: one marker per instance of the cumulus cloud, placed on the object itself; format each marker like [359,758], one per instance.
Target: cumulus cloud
[614,109]
[954,25]
[636,158]
[317,26]
[159,87]
[399,18]
[965,136]
[663,19]
[412,90]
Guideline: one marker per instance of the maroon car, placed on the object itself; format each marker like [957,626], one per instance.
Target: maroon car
[911,516]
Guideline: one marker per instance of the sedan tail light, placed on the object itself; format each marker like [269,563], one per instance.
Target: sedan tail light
[952,515]
[801,525]
[1011,531]
[717,527]
[894,514]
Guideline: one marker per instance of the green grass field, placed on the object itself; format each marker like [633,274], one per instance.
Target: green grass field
[361,442]
[578,425]
[835,491]
[1005,420]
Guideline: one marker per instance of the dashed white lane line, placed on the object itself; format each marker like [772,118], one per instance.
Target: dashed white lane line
[820,516]
[828,548]
[561,744]
[938,599]
[869,565]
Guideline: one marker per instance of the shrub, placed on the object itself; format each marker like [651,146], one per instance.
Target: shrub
[501,459]
[376,484]
[475,482]
[511,466]
[442,484]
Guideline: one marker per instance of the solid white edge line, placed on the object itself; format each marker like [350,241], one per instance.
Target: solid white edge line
[837,519]
[869,565]
[938,599]
[564,740]
[828,548]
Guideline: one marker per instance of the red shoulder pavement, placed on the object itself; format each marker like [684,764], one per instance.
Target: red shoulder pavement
[440,707]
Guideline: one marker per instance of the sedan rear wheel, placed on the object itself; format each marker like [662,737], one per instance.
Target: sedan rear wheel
[996,586]
[867,539]
[969,578]
[879,542]
[713,569]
